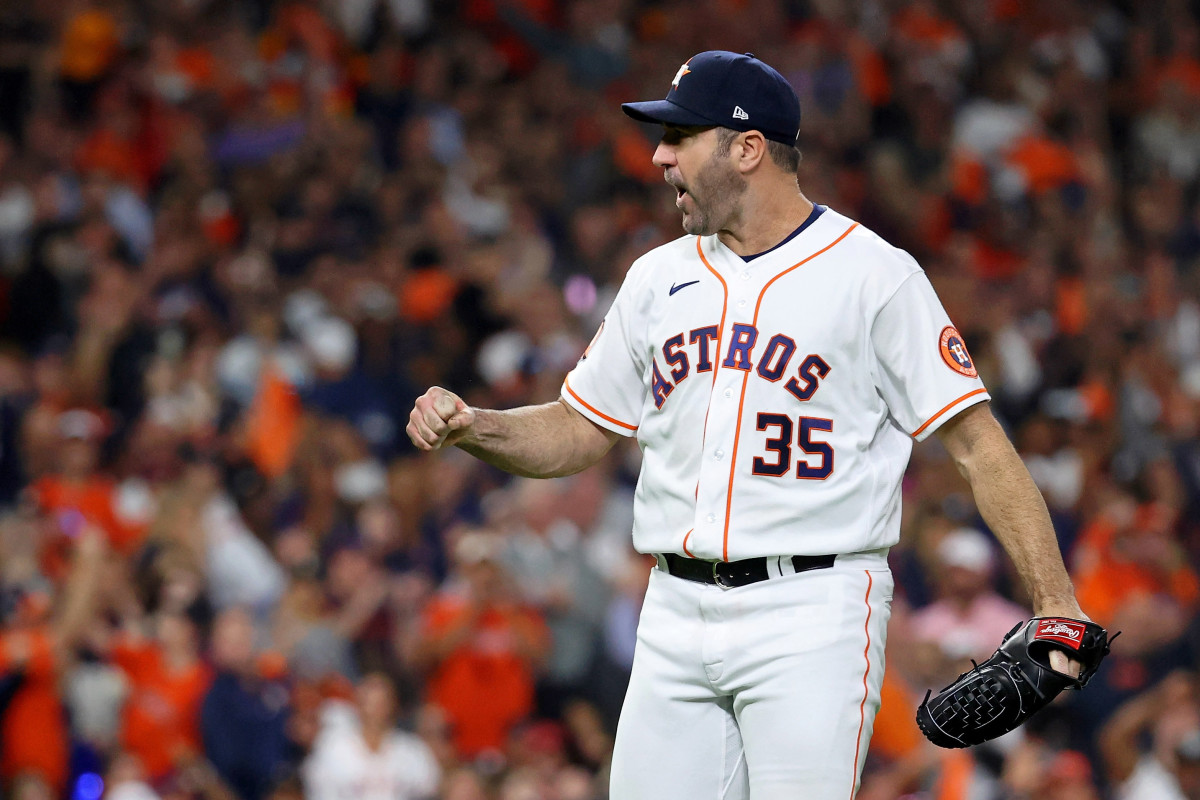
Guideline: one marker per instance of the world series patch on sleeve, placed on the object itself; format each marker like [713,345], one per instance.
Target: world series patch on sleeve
[1003,692]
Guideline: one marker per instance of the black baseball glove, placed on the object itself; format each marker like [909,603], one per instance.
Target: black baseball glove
[1015,683]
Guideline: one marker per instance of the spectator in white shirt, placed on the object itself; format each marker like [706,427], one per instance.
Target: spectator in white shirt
[359,754]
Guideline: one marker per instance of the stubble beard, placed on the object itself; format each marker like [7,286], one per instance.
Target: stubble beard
[715,193]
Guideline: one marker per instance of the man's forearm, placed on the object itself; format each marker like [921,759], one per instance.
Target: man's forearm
[1012,506]
[546,441]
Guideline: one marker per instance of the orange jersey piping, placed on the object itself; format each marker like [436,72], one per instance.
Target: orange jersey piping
[597,412]
[716,359]
[737,431]
[929,421]
[862,707]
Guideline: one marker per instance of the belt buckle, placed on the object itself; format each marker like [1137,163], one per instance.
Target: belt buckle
[719,579]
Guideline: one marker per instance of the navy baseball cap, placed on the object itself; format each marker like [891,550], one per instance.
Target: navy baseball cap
[730,90]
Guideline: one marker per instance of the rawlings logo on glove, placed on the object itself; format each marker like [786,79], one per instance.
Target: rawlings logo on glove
[1068,633]
[1015,683]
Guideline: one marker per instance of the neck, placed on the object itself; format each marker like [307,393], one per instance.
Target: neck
[766,218]
[373,736]
[179,658]
[963,602]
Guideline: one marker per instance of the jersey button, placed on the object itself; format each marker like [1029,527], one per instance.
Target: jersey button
[745,276]
[719,454]
[711,518]
[741,303]
[729,392]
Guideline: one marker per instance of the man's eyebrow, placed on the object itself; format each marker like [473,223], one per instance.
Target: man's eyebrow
[677,132]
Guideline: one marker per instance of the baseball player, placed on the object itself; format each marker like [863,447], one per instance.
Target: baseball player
[775,365]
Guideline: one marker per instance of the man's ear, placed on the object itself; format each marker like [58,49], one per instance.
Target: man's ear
[750,149]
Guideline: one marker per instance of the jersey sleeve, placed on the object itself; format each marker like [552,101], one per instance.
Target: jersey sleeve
[922,367]
[607,386]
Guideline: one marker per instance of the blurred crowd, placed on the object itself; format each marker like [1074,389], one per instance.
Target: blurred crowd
[238,237]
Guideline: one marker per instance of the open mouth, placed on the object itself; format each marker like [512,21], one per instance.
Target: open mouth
[680,189]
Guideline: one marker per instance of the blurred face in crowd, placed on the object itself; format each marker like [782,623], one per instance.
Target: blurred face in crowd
[78,457]
[961,583]
[233,641]
[379,525]
[349,569]
[537,503]
[708,188]
[486,579]
[376,699]
[477,556]
[52,379]
[181,583]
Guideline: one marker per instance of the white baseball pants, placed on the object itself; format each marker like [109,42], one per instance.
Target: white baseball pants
[763,692]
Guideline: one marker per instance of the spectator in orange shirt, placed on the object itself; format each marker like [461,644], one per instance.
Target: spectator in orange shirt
[78,490]
[160,721]
[33,649]
[482,650]
[1131,573]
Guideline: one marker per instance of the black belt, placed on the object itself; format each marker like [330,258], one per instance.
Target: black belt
[728,574]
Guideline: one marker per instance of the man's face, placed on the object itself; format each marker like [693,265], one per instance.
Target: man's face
[376,700]
[708,188]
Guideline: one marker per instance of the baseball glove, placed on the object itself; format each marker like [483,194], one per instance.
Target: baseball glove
[1015,683]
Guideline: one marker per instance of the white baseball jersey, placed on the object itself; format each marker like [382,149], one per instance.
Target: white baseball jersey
[775,400]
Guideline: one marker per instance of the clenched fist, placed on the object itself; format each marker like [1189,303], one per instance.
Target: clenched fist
[438,418]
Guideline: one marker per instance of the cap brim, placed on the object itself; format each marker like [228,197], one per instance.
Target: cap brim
[663,111]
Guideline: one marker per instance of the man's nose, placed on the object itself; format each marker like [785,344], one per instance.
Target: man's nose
[664,156]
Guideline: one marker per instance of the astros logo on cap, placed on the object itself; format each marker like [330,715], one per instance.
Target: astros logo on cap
[679,75]
[954,352]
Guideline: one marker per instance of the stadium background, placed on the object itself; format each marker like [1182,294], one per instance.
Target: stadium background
[238,238]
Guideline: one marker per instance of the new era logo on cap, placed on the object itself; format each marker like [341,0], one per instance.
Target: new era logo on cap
[717,81]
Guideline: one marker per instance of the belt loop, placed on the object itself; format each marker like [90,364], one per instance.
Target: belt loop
[786,567]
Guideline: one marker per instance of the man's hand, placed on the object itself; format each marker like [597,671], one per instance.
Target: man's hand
[1060,661]
[1067,666]
[439,418]
[1001,693]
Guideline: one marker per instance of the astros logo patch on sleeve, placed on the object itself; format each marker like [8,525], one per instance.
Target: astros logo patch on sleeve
[954,352]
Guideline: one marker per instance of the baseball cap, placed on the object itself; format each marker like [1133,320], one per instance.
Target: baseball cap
[332,342]
[966,548]
[79,423]
[731,90]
